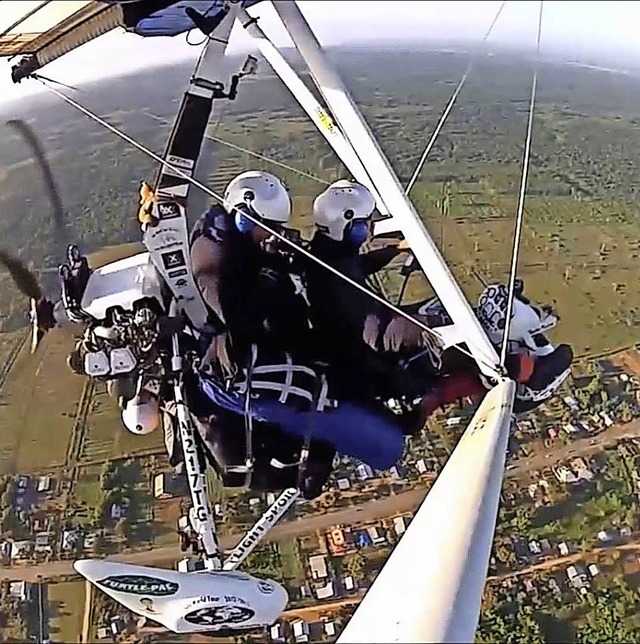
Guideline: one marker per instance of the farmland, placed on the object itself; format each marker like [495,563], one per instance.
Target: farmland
[579,251]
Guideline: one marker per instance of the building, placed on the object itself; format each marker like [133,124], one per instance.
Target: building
[364,472]
[20,550]
[118,511]
[565,475]
[21,590]
[276,633]
[400,525]
[190,564]
[44,484]
[90,541]
[349,583]
[421,466]
[363,539]
[337,541]
[330,628]
[167,485]
[300,631]
[117,625]
[377,535]
[43,542]
[325,592]
[571,402]
[343,484]
[318,565]
[69,540]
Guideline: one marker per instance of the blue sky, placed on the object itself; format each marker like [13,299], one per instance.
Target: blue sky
[581,29]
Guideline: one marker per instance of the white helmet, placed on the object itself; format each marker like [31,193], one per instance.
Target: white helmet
[342,203]
[141,415]
[492,311]
[263,193]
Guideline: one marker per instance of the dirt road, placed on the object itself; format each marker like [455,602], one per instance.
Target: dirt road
[578,447]
[568,560]
[367,512]
[378,509]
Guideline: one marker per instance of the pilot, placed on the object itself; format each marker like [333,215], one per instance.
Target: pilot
[244,272]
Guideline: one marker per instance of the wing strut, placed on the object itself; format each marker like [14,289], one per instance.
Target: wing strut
[431,586]
[357,131]
[320,117]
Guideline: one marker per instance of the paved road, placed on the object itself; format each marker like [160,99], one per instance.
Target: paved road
[370,511]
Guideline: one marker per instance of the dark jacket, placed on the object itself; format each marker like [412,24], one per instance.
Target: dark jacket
[338,309]
[338,314]
[257,294]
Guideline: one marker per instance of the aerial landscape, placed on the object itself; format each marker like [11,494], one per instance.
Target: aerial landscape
[74,483]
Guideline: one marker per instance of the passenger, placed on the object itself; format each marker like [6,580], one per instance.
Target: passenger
[342,314]
[347,322]
[365,341]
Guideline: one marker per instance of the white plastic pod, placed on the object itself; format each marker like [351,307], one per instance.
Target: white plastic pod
[121,283]
[189,602]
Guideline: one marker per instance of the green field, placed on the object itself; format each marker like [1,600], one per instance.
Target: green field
[38,407]
[66,609]
[106,436]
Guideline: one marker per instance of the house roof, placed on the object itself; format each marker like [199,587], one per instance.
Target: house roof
[318,565]
[300,628]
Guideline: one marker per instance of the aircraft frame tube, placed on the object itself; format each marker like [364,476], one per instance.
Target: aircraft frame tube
[260,529]
[430,588]
[202,518]
[357,131]
[320,117]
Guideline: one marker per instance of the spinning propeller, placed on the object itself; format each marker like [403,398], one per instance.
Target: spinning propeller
[40,307]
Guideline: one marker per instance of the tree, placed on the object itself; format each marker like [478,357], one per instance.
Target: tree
[605,620]
[108,475]
[357,566]
[520,521]
[122,530]
[7,498]
[625,411]
[506,625]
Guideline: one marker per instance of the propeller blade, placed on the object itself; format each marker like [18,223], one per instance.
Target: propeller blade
[36,333]
[41,309]
[24,279]
[59,218]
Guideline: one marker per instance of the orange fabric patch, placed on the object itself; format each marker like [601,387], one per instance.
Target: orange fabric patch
[526,367]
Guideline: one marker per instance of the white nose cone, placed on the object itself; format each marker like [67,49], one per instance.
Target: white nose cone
[189,602]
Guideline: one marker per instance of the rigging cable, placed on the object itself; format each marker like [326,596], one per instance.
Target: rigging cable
[239,148]
[450,104]
[303,251]
[521,197]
